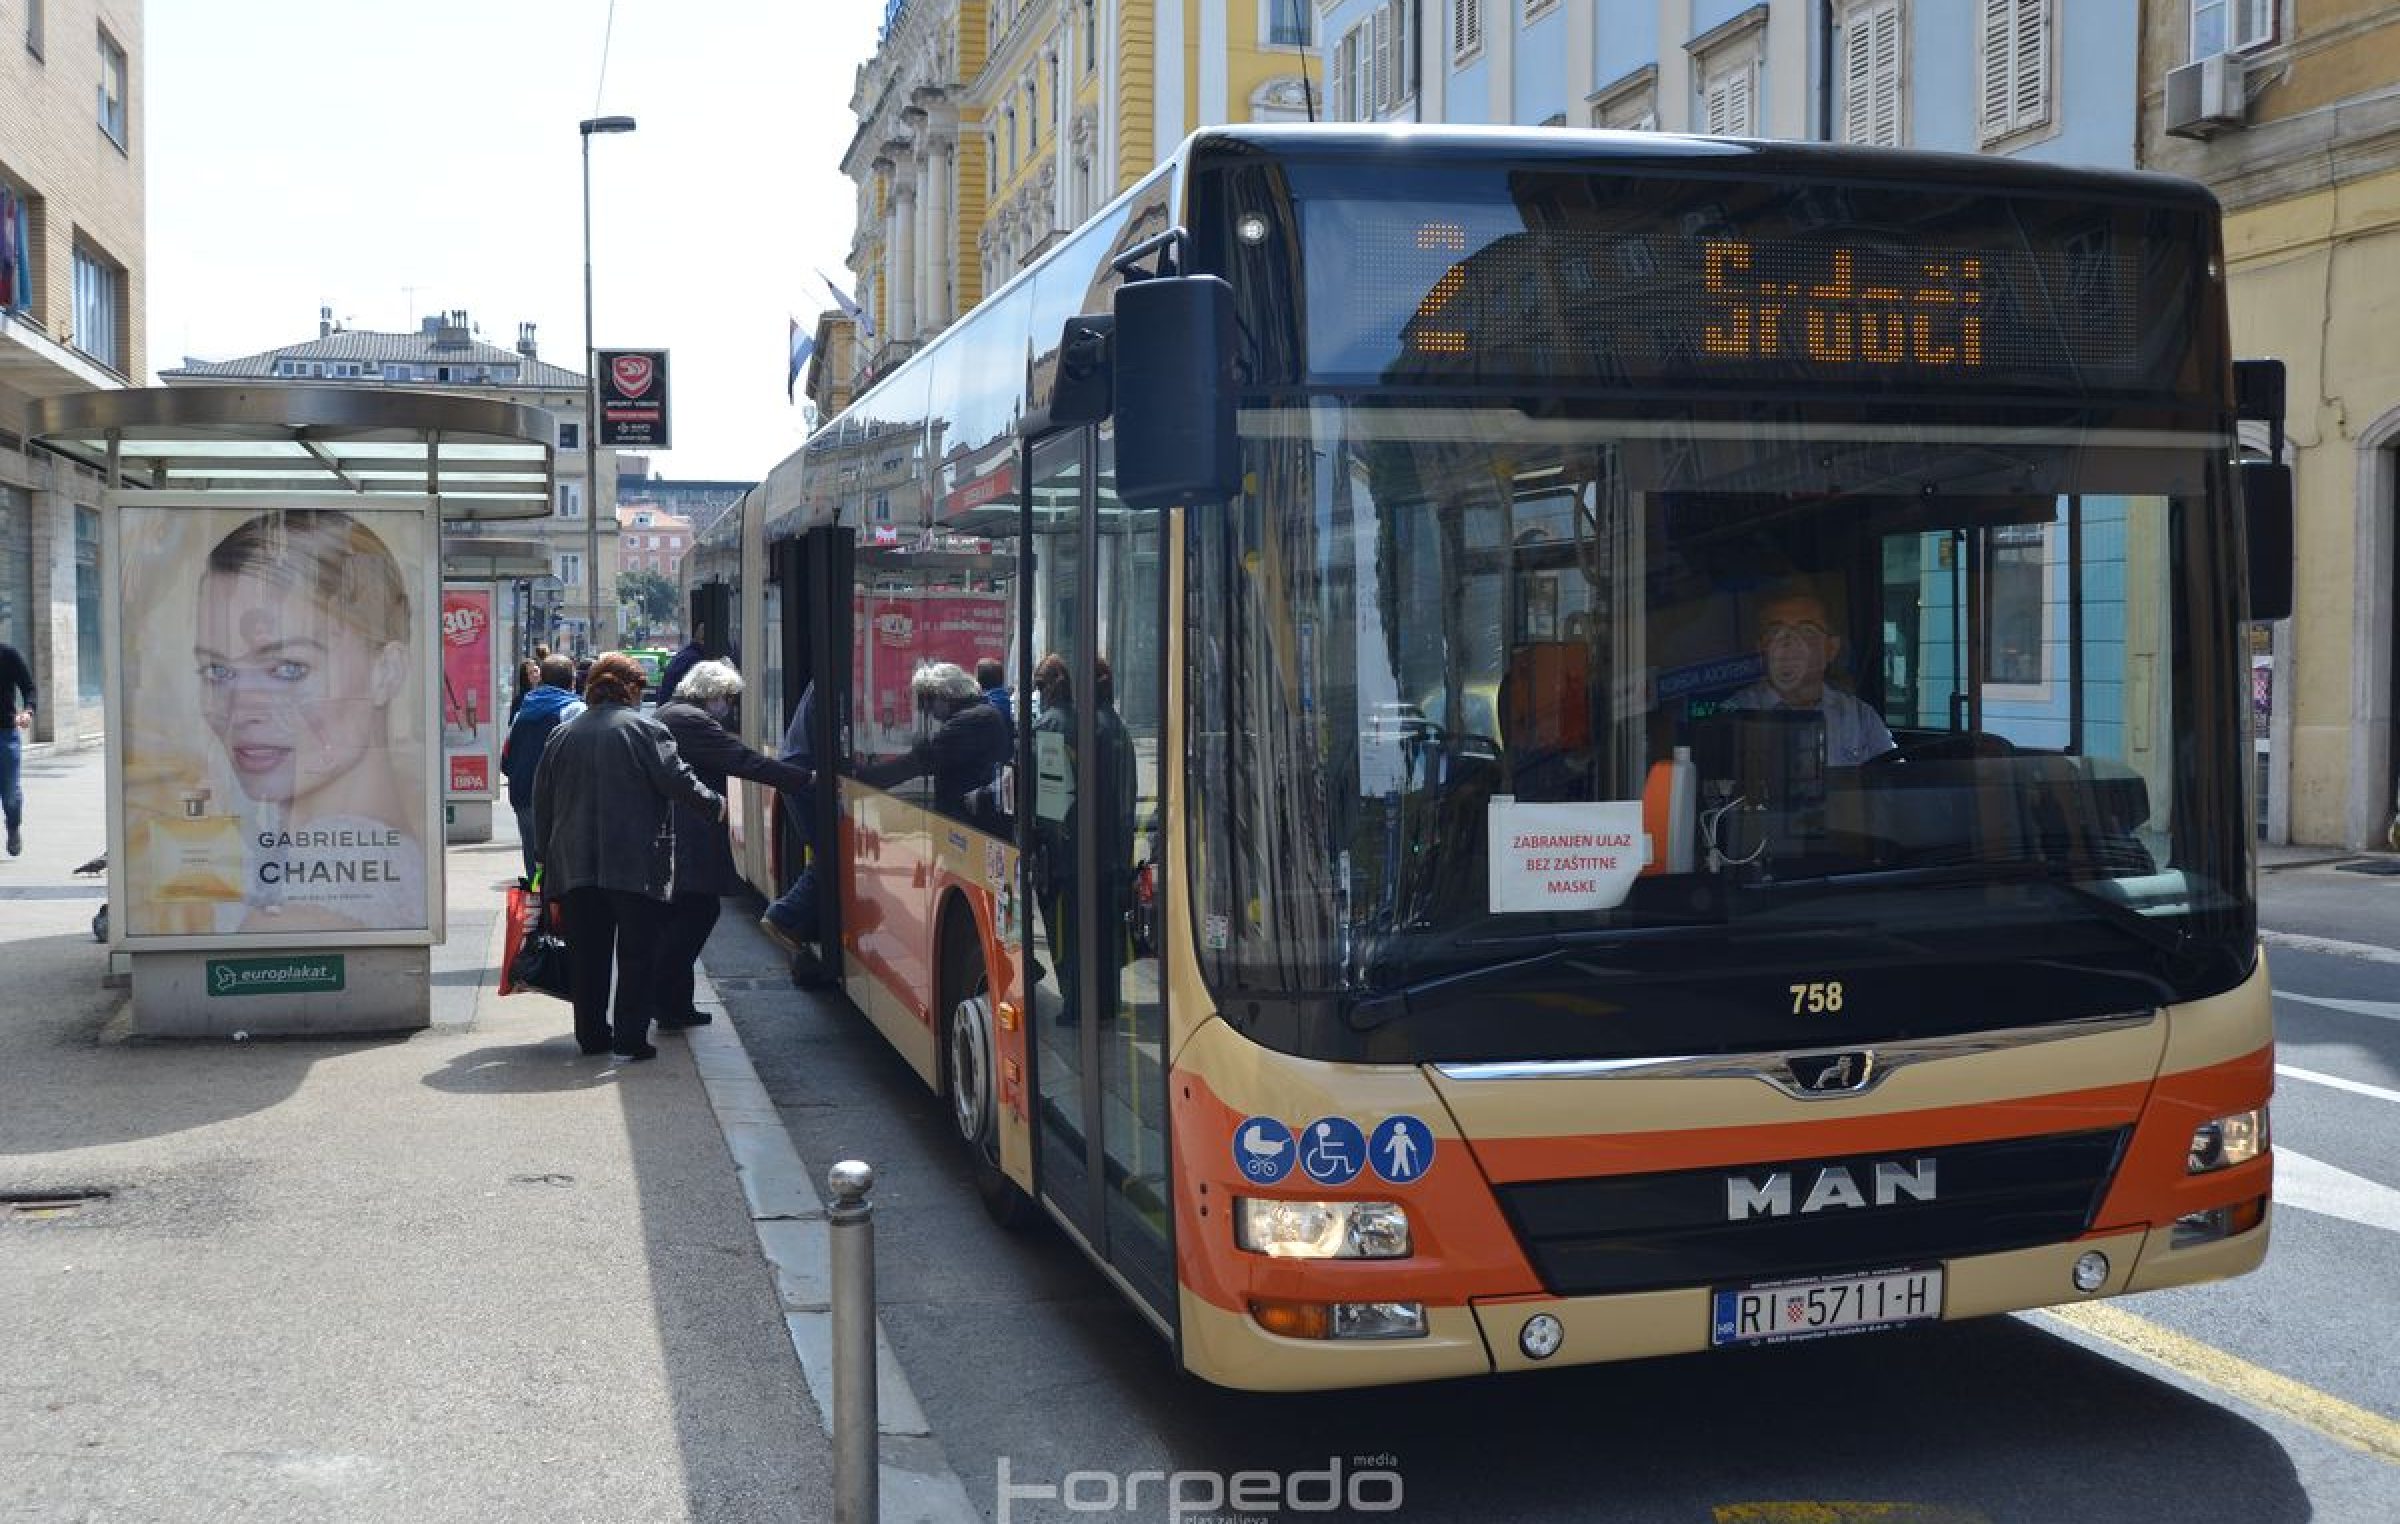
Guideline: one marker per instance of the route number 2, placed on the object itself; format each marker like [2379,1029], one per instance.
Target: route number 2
[1817,998]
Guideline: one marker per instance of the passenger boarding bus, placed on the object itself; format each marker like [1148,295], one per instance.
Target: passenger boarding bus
[1639,742]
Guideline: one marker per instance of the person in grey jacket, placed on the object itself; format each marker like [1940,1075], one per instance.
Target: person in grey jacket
[603,802]
[704,866]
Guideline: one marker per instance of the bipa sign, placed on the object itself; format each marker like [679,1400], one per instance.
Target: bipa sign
[1345,1492]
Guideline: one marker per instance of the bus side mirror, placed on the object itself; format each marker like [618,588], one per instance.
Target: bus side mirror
[1175,392]
[1081,385]
[2267,510]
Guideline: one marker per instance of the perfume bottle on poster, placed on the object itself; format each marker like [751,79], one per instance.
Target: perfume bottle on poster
[196,857]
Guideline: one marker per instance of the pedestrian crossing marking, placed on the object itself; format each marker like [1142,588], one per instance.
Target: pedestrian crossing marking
[2336,1082]
[2389,1010]
[2312,1185]
[2343,1422]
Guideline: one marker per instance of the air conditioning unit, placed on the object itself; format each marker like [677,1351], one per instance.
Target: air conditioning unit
[2205,97]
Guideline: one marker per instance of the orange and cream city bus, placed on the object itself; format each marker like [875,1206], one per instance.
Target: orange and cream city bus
[1648,748]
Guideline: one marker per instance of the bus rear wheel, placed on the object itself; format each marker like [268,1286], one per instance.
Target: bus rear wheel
[970,1075]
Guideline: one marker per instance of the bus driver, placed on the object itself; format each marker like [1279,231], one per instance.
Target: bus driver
[1796,640]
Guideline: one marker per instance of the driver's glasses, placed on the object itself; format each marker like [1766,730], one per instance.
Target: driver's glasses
[1806,633]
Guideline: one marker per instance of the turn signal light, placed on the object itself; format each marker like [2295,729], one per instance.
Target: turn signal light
[1294,1320]
[1341,1320]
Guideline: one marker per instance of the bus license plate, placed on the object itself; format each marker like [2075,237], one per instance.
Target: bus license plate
[1835,1304]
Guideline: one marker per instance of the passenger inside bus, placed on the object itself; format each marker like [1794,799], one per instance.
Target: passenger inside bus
[1060,816]
[969,742]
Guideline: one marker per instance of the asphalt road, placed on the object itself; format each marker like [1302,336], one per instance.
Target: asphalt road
[2275,1397]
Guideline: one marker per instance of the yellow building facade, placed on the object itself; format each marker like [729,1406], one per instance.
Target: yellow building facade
[988,129]
[2290,111]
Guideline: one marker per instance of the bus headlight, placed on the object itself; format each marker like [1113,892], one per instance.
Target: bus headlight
[2227,1141]
[1322,1229]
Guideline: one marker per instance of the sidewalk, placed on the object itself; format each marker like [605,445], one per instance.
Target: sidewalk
[466,1275]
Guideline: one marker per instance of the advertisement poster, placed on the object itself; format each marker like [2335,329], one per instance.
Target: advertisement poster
[273,717]
[467,730]
[633,399]
[894,631]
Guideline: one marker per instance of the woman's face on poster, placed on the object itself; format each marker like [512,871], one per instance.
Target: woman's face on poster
[295,695]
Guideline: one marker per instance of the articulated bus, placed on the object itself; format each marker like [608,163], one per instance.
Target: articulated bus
[1430,923]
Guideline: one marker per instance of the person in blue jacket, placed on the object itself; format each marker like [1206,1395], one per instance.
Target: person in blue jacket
[543,710]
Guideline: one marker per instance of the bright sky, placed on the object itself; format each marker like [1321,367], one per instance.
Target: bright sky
[394,160]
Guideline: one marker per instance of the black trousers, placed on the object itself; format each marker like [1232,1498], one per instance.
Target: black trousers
[605,927]
[689,920]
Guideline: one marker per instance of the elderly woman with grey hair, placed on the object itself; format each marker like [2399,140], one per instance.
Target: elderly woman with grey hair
[704,870]
[970,741]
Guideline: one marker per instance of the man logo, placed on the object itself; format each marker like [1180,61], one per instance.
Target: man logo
[1832,1186]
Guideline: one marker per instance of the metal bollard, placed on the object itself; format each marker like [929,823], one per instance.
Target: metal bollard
[855,1427]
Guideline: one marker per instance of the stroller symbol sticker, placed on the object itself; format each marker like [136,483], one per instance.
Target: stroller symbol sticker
[1262,1150]
[1401,1150]
[1333,1151]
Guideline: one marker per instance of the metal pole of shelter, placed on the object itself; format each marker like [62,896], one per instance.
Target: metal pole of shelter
[591,393]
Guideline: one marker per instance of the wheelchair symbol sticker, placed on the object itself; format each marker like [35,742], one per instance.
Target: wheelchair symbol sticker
[1401,1149]
[1262,1150]
[1333,1151]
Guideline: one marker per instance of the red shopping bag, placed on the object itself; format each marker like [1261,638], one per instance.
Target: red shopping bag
[532,954]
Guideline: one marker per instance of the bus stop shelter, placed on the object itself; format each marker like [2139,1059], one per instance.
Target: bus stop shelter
[273,661]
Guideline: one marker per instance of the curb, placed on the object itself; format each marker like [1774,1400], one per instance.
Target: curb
[915,1480]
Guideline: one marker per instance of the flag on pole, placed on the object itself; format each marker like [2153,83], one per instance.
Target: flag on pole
[803,343]
[850,309]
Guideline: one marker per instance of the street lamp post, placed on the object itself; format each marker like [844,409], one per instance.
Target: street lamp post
[591,393]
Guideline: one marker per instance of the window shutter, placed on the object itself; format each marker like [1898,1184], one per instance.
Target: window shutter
[2029,103]
[1466,32]
[1337,82]
[1726,102]
[1993,110]
[1871,75]
[1382,92]
[2015,66]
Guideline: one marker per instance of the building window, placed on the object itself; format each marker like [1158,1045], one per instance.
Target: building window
[1629,105]
[18,216]
[1033,115]
[2017,606]
[1871,63]
[2232,26]
[1729,93]
[1091,36]
[112,89]
[570,568]
[33,26]
[88,658]
[1290,24]
[99,297]
[570,500]
[570,434]
[1466,29]
[2013,70]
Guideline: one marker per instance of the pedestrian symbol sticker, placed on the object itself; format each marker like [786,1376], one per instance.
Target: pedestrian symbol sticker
[1262,1150]
[1401,1150]
[1333,1151]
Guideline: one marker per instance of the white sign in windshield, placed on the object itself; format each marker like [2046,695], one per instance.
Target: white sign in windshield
[1548,857]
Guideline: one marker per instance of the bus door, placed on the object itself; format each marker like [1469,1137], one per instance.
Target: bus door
[1092,826]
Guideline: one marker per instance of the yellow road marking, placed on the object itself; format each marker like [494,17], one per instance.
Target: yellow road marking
[2343,1422]
[1846,1513]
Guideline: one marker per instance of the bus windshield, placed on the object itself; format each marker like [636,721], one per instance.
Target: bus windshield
[1701,698]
